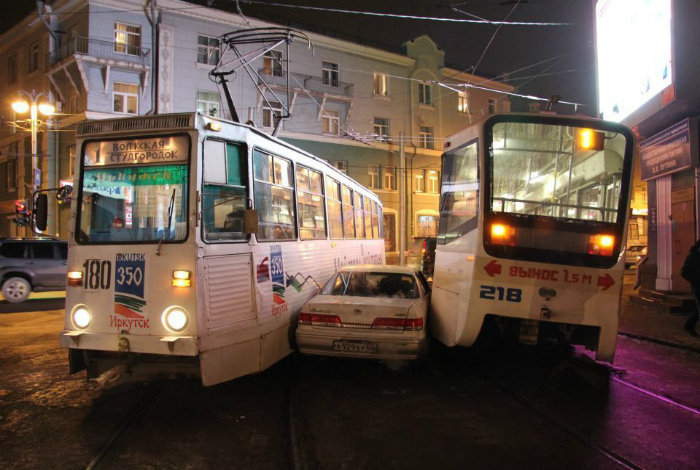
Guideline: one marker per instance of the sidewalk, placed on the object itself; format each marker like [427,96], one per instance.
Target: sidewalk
[643,322]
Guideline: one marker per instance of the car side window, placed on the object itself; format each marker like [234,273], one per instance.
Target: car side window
[62,249]
[13,250]
[43,251]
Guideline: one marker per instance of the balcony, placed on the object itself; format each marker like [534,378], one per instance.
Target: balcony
[298,82]
[99,50]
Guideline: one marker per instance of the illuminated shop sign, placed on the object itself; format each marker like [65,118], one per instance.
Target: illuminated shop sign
[666,152]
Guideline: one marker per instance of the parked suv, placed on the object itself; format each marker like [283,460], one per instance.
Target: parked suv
[31,264]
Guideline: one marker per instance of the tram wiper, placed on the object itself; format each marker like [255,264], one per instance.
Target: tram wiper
[171,206]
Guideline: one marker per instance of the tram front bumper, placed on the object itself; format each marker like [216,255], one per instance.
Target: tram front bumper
[165,345]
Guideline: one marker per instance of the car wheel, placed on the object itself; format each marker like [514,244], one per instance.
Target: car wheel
[16,290]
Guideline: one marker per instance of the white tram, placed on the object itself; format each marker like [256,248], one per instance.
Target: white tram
[194,243]
[533,223]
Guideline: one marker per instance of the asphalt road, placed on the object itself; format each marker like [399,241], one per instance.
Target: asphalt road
[504,407]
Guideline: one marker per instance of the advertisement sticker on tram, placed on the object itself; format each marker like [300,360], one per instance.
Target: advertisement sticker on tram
[129,292]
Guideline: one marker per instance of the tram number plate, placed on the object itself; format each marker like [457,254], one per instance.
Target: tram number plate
[355,346]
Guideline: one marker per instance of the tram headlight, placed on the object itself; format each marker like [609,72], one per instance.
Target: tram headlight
[175,319]
[81,316]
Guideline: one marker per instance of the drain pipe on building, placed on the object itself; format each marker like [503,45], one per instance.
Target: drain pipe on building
[402,201]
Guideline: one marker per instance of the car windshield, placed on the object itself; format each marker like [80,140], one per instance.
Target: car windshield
[372,284]
[134,191]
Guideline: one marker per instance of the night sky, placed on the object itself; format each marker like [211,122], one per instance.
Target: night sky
[565,54]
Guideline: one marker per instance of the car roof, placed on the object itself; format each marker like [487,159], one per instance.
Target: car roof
[384,268]
[2,240]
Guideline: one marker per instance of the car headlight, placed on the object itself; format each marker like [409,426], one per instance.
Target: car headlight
[81,316]
[175,319]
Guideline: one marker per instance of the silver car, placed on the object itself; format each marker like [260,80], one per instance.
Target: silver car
[371,311]
[31,264]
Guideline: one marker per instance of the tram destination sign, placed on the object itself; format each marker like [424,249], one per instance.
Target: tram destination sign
[667,152]
[168,149]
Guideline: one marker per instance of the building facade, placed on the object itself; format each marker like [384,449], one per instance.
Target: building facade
[350,104]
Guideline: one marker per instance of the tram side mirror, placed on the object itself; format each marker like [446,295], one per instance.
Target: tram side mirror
[250,221]
[41,206]
[63,194]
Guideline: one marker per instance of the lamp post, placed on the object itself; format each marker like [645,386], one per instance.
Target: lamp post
[33,104]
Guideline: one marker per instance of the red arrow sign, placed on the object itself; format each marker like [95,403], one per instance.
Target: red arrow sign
[605,281]
[493,268]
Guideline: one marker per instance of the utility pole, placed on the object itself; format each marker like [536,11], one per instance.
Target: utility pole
[402,201]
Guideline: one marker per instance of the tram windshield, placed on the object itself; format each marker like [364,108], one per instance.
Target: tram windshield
[556,171]
[134,191]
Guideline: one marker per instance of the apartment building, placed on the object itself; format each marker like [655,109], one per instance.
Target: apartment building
[349,103]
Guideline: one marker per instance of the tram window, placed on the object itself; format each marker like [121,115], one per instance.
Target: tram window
[375,220]
[214,162]
[312,220]
[348,219]
[368,217]
[359,223]
[335,215]
[224,196]
[274,197]
[460,193]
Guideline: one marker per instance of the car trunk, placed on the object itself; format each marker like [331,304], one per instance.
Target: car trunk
[355,310]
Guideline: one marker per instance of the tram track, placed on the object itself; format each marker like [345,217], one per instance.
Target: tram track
[569,431]
[123,426]
[614,375]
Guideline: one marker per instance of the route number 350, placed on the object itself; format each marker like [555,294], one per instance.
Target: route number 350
[509,294]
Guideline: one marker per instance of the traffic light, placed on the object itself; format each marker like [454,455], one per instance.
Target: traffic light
[22,212]
[21,207]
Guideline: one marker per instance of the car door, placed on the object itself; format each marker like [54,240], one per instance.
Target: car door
[48,269]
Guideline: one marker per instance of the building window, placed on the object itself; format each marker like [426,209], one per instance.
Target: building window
[390,178]
[425,94]
[272,112]
[127,39]
[272,63]
[432,181]
[341,166]
[33,64]
[125,98]
[492,106]
[381,128]
[331,122]
[426,137]
[419,182]
[373,173]
[73,105]
[381,84]
[12,70]
[390,232]
[12,166]
[426,225]
[330,74]
[462,105]
[208,50]
[208,103]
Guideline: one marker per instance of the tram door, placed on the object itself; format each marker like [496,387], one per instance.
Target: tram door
[683,213]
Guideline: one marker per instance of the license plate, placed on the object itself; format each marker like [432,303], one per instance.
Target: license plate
[355,346]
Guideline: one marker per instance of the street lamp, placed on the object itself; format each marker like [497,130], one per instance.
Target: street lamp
[35,107]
